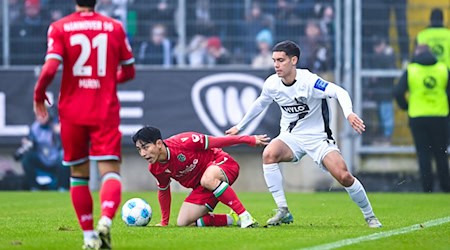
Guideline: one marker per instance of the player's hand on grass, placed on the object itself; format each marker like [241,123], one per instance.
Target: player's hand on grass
[356,123]
[262,140]
[232,131]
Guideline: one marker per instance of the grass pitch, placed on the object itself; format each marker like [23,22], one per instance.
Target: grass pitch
[46,220]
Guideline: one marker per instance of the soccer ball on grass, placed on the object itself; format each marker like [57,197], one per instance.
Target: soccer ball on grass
[136,212]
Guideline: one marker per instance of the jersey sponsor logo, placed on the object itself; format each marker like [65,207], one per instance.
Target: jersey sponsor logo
[221,100]
[181,157]
[189,168]
[321,84]
[301,108]
[167,171]
[184,139]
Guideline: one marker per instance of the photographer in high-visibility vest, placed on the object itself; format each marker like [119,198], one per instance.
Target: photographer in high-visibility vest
[424,90]
[437,37]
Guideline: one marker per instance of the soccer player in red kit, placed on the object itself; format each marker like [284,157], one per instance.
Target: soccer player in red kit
[96,56]
[196,161]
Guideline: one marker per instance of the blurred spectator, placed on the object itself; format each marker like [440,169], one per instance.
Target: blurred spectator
[380,89]
[256,21]
[314,50]
[200,18]
[216,53]
[113,8]
[263,60]
[162,12]
[196,51]
[15,8]
[57,9]
[376,21]
[158,49]
[28,41]
[41,156]
[287,23]
[437,37]
[326,22]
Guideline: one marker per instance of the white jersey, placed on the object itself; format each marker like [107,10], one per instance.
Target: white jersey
[303,105]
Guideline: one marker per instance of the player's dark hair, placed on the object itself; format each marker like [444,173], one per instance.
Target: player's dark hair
[289,47]
[147,134]
[86,3]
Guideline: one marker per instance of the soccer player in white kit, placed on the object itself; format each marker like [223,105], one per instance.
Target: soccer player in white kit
[304,129]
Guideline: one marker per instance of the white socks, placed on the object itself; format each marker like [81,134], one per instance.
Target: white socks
[274,181]
[359,196]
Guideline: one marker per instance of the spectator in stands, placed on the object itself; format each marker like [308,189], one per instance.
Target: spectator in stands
[112,8]
[216,53]
[376,21]
[162,12]
[423,90]
[314,48]
[200,19]
[158,49]
[57,9]
[41,156]
[437,37]
[27,42]
[287,22]
[15,8]
[263,60]
[196,51]
[380,89]
[256,21]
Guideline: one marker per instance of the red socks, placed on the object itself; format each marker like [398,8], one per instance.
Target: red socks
[110,194]
[82,202]
[225,194]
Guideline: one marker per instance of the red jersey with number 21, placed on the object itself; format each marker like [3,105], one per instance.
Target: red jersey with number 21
[188,158]
[91,47]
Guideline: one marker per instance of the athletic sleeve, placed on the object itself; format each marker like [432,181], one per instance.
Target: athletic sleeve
[230,140]
[323,89]
[258,106]
[55,44]
[126,54]
[165,200]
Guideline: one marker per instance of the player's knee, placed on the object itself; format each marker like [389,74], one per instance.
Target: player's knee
[346,179]
[184,222]
[269,157]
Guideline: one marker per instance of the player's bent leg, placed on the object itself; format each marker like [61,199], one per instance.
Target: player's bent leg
[190,213]
[277,151]
[335,164]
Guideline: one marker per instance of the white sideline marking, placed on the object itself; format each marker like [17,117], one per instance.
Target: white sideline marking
[380,235]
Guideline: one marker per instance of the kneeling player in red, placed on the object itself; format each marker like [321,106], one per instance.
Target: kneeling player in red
[196,161]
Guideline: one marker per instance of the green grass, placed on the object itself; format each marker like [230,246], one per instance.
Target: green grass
[46,220]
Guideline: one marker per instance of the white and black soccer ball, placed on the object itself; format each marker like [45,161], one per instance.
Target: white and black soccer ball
[136,212]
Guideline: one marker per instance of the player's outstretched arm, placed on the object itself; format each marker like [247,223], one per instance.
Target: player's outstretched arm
[356,123]
[225,141]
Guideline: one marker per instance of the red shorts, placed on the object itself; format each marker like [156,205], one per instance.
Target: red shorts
[203,196]
[90,142]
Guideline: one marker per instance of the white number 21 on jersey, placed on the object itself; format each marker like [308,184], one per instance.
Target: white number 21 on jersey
[100,42]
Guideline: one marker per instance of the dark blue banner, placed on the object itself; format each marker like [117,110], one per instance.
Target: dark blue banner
[207,101]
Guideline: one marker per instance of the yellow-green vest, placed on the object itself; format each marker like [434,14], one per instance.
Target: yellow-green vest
[438,39]
[427,90]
